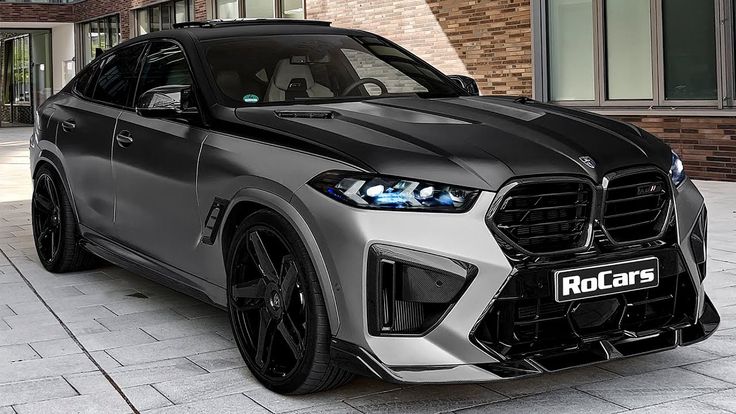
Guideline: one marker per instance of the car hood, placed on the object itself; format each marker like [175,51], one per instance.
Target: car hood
[478,142]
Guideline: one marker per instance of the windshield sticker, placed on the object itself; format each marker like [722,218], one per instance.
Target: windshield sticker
[250,98]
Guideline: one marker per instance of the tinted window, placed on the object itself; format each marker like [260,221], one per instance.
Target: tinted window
[84,85]
[165,65]
[118,76]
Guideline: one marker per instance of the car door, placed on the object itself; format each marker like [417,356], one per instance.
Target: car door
[86,123]
[155,169]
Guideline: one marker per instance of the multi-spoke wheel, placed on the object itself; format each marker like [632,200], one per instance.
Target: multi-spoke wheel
[54,225]
[276,308]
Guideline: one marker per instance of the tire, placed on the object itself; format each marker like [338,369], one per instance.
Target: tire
[55,228]
[288,324]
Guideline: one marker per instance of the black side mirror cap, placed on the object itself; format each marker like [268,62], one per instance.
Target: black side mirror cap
[466,83]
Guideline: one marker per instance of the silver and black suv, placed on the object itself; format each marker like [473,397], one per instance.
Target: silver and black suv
[358,212]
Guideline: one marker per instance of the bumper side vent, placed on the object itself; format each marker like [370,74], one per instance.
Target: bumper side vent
[409,292]
[636,206]
[699,242]
[545,217]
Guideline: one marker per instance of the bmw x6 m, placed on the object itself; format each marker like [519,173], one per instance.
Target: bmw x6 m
[358,212]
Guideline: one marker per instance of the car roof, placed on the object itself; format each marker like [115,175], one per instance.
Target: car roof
[219,29]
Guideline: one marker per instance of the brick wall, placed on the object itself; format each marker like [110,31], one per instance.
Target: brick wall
[489,39]
[707,145]
[30,12]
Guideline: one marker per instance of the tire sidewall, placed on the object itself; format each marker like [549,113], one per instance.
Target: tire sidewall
[66,215]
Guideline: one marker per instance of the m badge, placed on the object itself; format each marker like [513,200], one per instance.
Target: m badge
[588,161]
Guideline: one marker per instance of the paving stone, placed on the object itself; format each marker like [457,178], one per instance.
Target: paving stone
[199,311]
[44,367]
[657,387]
[137,320]
[231,404]
[154,372]
[84,314]
[19,292]
[682,406]
[562,401]
[145,397]
[172,348]
[278,403]
[32,334]
[7,410]
[35,319]
[219,360]
[38,390]
[174,300]
[187,327]
[89,382]
[19,352]
[722,343]
[115,339]
[6,311]
[25,308]
[661,360]
[56,347]
[339,408]
[725,400]
[107,299]
[724,369]
[549,382]
[88,327]
[108,403]
[104,360]
[427,398]
[209,385]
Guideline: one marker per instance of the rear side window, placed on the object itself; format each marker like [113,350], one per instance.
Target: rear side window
[165,65]
[118,76]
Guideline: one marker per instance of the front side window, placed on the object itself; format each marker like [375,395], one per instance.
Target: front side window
[317,68]
[165,65]
[118,76]
[632,52]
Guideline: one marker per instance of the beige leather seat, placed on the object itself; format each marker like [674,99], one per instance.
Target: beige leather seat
[290,81]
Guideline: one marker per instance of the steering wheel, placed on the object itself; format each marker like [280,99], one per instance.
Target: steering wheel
[365,81]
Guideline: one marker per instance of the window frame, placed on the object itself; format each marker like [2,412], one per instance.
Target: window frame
[84,33]
[277,8]
[171,4]
[725,37]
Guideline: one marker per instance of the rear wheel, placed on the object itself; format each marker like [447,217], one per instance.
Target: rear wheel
[55,226]
[276,307]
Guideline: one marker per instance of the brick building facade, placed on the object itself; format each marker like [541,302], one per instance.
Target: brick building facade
[497,42]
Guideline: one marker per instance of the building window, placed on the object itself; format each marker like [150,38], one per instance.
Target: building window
[21,76]
[163,16]
[634,52]
[99,35]
[232,9]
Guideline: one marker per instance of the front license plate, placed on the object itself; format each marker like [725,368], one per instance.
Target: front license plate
[607,279]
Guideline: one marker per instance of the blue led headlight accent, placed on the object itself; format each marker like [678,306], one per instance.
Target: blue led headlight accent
[677,170]
[392,193]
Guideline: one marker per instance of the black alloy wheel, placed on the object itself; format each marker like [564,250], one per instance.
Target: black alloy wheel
[55,229]
[276,308]
[46,213]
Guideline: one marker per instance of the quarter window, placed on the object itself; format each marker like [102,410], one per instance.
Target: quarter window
[118,76]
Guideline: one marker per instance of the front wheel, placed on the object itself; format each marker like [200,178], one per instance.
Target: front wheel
[277,311]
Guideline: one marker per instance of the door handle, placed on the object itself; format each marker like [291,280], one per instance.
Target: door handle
[68,125]
[124,139]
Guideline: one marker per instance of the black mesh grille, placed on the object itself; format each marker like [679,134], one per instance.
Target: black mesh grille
[545,217]
[636,206]
[525,320]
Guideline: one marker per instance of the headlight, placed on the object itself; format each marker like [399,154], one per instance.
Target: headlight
[391,193]
[677,170]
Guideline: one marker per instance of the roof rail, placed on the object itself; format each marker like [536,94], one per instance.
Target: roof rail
[248,22]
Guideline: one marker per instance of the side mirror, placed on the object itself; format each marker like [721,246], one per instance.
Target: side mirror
[466,83]
[168,102]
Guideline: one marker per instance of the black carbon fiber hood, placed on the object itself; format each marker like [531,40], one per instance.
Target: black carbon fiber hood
[478,142]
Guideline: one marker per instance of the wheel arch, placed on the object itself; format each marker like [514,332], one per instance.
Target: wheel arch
[48,158]
[250,200]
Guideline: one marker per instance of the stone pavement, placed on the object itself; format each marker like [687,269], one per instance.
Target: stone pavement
[109,341]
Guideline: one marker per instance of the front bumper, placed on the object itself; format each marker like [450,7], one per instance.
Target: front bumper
[449,351]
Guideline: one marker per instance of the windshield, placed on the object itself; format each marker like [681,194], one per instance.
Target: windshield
[317,68]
